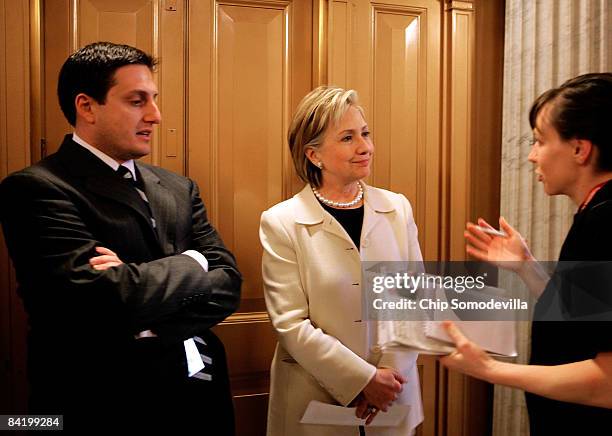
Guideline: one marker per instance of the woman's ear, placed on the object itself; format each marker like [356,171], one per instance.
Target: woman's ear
[84,108]
[584,151]
[312,155]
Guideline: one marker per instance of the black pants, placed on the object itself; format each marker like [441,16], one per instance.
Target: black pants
[154,396]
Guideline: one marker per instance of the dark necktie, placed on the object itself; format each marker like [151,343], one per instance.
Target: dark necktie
[126,174]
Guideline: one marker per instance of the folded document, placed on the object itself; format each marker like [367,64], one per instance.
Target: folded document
[328,414]
[429,337]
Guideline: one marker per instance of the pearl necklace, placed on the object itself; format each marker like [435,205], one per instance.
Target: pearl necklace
[331,203]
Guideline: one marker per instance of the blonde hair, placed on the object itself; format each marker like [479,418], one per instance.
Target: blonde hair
[319,109]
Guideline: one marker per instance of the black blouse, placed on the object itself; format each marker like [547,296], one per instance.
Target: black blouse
[350,219]
[582,288]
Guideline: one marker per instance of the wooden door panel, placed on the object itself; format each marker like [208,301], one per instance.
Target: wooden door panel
[120,21]
[251,118]
[340,27]
[405,110]
[259,69]
[397,96]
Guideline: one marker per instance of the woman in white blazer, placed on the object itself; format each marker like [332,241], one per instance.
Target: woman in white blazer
[314,244]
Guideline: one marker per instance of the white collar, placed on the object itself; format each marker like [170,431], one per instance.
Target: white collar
[309,211]
[105,157]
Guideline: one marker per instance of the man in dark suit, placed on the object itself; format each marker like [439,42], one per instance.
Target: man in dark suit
[119,269]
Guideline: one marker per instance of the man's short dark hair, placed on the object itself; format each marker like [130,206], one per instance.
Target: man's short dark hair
[580,109]
[91,71]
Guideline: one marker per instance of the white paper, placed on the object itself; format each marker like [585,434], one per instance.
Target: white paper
[194,361]
[496,337]
[429,337]
[328,414]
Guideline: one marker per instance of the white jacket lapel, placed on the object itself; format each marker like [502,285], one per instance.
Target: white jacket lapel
[309,212]
[376,207]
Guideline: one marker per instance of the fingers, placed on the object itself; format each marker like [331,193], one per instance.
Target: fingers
[399,377]
[478,254]
[104,250]
[107,259]
[397,387]
[455,334]
[105,265]
[476,235]
[366,411]
[361,411]
[448,361]
[101,263]
[371,416]
[98,260]
[396,384]
[384,388]
[483,223]
[479,242]
[503,224]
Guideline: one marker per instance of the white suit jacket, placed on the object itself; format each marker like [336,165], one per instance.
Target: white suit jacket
[312,286]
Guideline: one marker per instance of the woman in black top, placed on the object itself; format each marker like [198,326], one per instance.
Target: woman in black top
[571,361]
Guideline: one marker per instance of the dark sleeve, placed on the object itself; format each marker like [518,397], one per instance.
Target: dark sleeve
[220,294]
[51,245]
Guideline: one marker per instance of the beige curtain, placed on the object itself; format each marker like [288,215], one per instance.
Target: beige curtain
[547,42]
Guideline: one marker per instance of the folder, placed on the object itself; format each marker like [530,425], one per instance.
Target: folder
[329,414]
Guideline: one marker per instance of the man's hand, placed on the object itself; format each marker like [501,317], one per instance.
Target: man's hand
[107,259]
[384,388]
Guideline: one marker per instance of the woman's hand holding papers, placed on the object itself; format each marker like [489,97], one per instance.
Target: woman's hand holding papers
[379,394]
[383,389]
[364,410]
[468,357]
[586,382]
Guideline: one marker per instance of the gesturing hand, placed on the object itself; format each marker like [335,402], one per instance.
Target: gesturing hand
[507,252]
[384,388]
[468,357]
[107,259]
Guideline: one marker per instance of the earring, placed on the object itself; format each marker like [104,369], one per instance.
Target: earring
[320,165]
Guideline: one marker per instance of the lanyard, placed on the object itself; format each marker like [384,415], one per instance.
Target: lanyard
[591,195]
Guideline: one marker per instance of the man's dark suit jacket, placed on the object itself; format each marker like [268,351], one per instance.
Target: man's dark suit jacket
[83,357]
